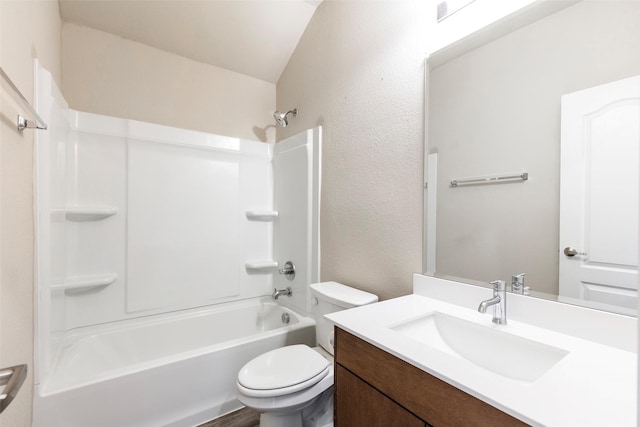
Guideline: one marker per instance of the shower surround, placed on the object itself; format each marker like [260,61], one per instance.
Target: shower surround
[157,249]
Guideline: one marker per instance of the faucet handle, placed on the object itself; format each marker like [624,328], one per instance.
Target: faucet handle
[289,270]
[518,286]
[518,278]
[499,285]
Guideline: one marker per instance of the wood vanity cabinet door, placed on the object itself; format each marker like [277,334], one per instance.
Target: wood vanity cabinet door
[429,398]
[357,404]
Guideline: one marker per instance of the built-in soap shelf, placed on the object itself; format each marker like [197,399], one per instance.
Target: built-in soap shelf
[261,215]
[87,213]
[261,265]
[82,284]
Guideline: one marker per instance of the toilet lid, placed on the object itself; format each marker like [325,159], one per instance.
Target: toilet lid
[283,368]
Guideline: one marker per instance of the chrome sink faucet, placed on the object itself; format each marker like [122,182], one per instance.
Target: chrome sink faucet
[499,303]
[277,292]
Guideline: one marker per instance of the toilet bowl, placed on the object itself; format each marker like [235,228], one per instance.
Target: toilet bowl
[292,386]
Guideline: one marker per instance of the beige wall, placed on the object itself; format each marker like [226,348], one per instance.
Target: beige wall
[106,74]
[28,29]
[359,71]
[497,109]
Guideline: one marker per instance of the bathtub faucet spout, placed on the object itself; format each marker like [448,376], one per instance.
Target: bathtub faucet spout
[276,293]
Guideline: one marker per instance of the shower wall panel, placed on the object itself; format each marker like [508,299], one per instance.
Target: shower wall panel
[183,236]
[296,165]
[50,150]
[96,181]
[137,219]
[159,219]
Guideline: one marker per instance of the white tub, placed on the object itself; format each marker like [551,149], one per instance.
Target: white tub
[170,370]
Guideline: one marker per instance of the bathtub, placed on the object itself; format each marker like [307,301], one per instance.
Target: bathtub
[169,370]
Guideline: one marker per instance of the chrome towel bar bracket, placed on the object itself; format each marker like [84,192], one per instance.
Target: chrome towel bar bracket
[14,92]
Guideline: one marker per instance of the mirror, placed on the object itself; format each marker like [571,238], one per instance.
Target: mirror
[496,109]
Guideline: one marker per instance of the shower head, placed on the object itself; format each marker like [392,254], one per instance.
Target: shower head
[281,118]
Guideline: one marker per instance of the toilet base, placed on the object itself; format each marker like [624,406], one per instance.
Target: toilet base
[279,419]
[271,419]
[318,413]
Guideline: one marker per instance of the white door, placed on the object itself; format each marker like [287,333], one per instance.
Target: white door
[599,191]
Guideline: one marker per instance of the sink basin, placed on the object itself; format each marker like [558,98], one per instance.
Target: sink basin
[503,353]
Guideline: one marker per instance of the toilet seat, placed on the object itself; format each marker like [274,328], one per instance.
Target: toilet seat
[291,401]
[282,371]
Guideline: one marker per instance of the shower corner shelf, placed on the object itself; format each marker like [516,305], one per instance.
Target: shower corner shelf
[83,284]
[261,215]
[89,213]
[261,265]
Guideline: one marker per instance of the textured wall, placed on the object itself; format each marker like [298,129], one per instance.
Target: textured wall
[106,74]
[28,29]
[359,72]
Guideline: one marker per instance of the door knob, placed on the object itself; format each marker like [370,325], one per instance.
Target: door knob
[569,251]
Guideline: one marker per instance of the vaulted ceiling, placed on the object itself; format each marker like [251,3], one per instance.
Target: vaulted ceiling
[251,37]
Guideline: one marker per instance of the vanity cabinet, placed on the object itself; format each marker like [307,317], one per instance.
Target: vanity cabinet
[375,388]
[359,404]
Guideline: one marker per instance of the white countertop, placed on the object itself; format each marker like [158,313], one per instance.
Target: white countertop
[593,385]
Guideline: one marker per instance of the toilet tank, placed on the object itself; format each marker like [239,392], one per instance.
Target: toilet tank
[329,297]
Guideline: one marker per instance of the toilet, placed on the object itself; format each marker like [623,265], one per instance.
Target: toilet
[292,386]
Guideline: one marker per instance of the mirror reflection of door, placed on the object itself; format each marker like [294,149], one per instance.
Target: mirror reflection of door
[599,192]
